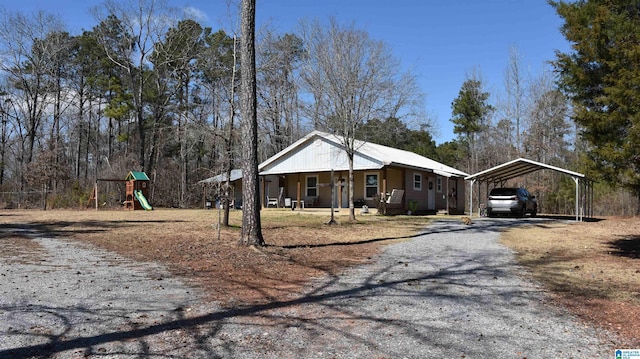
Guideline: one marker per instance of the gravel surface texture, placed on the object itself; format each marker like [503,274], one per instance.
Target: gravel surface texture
[452,292]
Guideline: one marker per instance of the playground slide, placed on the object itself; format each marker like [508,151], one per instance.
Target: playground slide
[142,200]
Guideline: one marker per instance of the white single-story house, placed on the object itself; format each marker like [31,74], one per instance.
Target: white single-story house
[401,179]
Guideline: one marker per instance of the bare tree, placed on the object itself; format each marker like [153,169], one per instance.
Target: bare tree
[353,79]
[218,64]
[229,141]
[515,108]
[27,61]
[546,140]
[278,60]
[5,132]
[251,226]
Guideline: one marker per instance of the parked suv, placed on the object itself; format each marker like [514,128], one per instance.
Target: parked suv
[516,201]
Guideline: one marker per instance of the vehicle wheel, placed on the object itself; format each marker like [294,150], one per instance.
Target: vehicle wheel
[489,214]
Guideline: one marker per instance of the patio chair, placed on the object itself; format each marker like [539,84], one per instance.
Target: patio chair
[396,196]
[271,201]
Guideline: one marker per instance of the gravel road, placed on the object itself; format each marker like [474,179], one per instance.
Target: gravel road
[452,292]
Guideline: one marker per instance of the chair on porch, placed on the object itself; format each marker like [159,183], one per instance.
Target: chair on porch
[272,201]
[396,196]
[276,201]
[311,201]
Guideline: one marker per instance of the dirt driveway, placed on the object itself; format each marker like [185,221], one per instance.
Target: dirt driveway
[453,291]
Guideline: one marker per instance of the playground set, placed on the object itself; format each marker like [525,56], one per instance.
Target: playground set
[137,191]
[137,187]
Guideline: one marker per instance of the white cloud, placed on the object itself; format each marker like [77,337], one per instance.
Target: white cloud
[194,13]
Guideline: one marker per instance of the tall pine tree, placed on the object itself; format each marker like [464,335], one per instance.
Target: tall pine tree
[601,75]
[251,226]
[470,111]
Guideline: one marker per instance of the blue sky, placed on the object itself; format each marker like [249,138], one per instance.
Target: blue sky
[440,42]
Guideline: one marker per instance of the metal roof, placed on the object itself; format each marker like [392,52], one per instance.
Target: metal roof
[236,174]
[516,168]
[322,152]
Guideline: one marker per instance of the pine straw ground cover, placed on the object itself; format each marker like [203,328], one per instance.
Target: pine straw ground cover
[592,267]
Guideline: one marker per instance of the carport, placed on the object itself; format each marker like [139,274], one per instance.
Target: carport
[499,175]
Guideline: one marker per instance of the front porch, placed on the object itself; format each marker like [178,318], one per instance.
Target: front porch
[390,190]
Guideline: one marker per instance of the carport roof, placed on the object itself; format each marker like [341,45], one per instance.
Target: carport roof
[523,166]
[516,168]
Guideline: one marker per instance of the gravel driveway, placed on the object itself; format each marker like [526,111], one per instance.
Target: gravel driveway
[452,292]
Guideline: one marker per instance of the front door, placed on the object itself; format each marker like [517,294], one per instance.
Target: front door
[431,197]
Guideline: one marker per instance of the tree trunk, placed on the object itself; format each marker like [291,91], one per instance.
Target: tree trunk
[141,134]
[229,140]
[87,146]
[81,100]
[182,139]
[3,146]
[79,147]
[251,226]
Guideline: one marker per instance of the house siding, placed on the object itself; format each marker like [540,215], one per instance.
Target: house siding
[452,196]
[318,154]
[395,178]
[291,185]
[420,196]
[323,188]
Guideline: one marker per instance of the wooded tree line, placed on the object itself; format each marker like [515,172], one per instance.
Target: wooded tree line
[139,91]
[142,91]
[152,90]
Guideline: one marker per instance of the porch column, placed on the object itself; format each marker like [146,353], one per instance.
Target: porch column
[384,195]
[263,191]
[339,189]
[449,197]
[471,197]
[298,194]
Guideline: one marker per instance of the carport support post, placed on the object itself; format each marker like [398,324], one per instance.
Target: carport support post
[577,181]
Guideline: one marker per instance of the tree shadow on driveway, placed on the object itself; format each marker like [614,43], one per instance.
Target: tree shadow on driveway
[434,301]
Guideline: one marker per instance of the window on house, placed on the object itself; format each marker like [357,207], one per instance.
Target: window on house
[370,185]
[417,182]
[312,186]
[439,184]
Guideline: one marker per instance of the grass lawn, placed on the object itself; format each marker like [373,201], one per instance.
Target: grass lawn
[592,267]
